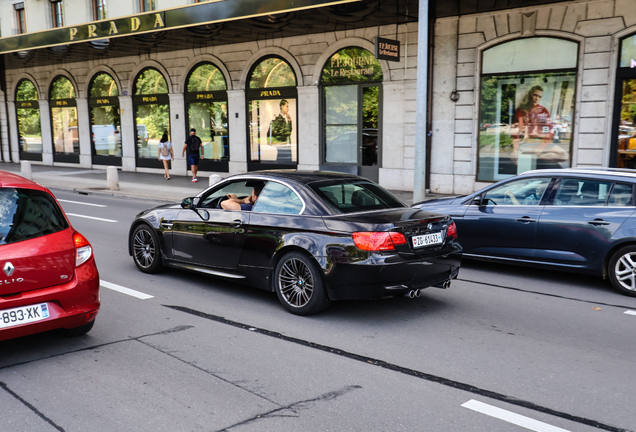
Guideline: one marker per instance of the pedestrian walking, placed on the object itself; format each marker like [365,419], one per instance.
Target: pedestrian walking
[192,148]
[165,154]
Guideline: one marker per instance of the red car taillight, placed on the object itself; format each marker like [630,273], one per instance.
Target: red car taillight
[378,241]
[451,232]
[83,249]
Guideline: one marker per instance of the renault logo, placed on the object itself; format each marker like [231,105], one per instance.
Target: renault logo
[8,268]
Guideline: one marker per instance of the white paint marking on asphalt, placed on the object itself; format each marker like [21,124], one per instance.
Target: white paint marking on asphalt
[121,289]
[511,417]
[630,312]
[91,217]
[82,203]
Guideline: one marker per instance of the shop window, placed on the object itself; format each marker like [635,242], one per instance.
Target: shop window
[624,124]
[99,9]
[152,116]
[20,18]
[272,114]
[351,111]
[103,106]
[526,107]
[64,121]
[57,13]
[206,99]
[29,127]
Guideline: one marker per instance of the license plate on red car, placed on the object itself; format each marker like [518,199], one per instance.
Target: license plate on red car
[23,315]
[427,239]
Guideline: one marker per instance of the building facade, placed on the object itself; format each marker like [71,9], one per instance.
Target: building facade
[296,84]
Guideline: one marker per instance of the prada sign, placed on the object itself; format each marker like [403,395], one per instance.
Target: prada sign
[105,29]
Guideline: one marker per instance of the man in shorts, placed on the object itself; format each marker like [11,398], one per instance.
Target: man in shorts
[192,148]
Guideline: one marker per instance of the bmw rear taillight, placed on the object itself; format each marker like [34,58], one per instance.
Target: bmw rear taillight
[83,249]
[378,241]
[451,232]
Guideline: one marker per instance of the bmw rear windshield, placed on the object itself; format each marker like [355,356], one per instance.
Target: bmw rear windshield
[351,196]
[27,214]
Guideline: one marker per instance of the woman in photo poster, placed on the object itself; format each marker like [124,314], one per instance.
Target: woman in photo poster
[536,132]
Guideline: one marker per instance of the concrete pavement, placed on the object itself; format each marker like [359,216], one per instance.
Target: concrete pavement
[140,185]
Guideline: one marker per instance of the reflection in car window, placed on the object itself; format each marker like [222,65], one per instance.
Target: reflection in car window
[278,198]
[582,192]
[621,196]
[526,191]
[27,214]
[241,188]
[349,196]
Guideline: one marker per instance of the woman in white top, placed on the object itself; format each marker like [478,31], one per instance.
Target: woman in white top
[165,154]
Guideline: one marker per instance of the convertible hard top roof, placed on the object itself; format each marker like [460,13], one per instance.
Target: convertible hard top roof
[303,177]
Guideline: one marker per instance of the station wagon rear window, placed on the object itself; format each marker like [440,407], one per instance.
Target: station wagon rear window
[350,196]
[27,214]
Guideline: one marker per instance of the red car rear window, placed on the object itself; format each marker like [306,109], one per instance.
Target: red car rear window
[26,214]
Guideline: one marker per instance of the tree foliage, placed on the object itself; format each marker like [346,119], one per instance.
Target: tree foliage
[103,85]
[206,77]
[62,88]
[272,72]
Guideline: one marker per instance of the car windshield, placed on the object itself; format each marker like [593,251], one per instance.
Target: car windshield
[26,214]
[350,196]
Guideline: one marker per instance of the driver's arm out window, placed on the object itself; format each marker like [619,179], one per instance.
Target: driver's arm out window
[239,188]
[527,191]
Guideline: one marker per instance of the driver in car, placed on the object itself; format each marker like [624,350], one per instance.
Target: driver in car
[233,202]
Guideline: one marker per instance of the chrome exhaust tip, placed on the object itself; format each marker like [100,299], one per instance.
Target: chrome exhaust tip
[418,293]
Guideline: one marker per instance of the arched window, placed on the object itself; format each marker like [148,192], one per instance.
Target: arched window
[103,104]
[28,115]
[351,90]
[272,107]
[152,115]
[206,99]
[527,106]
[64,121]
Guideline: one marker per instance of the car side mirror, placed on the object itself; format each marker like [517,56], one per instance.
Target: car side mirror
[477,201]
[188,203]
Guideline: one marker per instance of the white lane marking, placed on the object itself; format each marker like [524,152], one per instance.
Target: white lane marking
[121,289]
[91,217]
[82,203]
[630,312]
[511,417]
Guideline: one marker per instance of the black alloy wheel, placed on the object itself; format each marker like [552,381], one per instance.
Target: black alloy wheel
[146,251]
[622,270]
[299,285]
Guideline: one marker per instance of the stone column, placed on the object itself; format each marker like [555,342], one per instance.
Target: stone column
[84,131]
[4,130]
[238,131]
[128,133]
[308,128]
[178,126]
[47,133]
[394,152]
[13,150]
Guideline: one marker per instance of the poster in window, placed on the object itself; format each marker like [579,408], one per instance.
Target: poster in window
[273,130]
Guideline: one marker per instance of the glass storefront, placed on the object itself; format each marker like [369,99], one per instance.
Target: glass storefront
[105,120]
[206,98]
[64,121]
[28,116]
[272,114]
[624,130]
[351,115]
[152,116]
[526,111]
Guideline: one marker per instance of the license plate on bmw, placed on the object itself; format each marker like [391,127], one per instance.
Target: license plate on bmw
[427,239]
[23,315]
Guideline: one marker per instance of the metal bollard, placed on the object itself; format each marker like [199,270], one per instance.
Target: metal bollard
[25,170]
[214,179]
[112,178]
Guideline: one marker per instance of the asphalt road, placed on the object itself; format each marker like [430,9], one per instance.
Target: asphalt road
[504,349]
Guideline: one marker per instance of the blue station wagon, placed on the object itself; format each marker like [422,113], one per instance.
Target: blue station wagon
[578,220]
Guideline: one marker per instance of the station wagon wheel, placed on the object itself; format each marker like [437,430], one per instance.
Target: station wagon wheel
[146,249]
[622,270]
[299,286]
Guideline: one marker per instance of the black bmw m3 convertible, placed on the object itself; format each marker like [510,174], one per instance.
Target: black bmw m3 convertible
[312,237]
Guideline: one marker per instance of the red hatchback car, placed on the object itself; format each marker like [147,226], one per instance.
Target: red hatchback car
[48,276]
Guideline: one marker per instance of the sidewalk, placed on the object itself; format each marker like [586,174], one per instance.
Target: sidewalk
[131,184]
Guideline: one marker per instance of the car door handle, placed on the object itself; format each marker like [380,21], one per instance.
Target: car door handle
[526,219]
[597,222]
[236,223]
[166,225]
